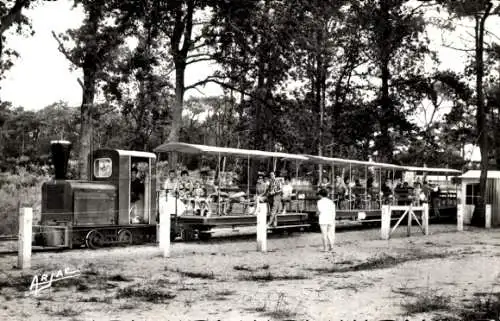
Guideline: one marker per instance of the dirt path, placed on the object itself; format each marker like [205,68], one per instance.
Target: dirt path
[365,278]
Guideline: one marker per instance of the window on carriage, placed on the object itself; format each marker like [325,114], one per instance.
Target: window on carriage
[103,168]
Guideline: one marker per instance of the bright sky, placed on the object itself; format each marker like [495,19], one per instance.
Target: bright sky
[42,74]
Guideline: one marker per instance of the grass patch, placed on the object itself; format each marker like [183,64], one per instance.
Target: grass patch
[119,278]
[268,277]
[483,306]
[97,299]
[225,292]
[149,294]
[428,301]
[20,283]
[221,295]
[250,269]
[196,275]
[281,310]
[80,284]
[377,263]
[405,292]
[66,312]
[127,306]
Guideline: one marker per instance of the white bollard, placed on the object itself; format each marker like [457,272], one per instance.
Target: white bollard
[164,233]
[425,218]
[386,223]
[25,236]
[262,227]
[461,208]
[460,217]
[487,216]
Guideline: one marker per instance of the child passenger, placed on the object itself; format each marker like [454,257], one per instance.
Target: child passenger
[326,211]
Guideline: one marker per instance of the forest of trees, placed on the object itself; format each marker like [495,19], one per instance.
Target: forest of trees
[337,78]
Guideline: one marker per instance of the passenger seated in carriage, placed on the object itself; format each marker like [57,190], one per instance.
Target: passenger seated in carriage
[261,188]
[358,191]
[199,202]
[171,184]
[404,194]
[173,205]
[387,192]
[185,185]
[325,182]
[340,190]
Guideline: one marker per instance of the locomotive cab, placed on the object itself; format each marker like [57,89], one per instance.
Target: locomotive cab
[132,173]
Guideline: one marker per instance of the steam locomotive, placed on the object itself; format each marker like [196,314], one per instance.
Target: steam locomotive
[117,205]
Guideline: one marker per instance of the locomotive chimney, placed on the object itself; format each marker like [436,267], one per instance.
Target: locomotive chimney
[60,157]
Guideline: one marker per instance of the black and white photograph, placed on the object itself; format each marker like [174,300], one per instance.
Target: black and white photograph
[330,160]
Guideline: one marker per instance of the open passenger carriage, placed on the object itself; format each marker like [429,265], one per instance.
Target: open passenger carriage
[224,189]
[360,188]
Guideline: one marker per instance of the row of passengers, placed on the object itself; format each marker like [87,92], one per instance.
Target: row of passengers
[390,190]
[343,186]
[184,187]
[196,195]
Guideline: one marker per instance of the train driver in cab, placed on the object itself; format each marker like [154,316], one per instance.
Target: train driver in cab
[136,196]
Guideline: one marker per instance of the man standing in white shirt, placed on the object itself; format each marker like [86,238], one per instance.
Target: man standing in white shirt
[326,211]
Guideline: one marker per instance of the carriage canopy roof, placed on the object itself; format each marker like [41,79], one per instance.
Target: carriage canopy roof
[341,161]
[224,151]
[228,151]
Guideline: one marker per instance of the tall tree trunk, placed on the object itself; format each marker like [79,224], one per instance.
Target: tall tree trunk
[183,28]
[479,213]
[89,80]
[385,140]
[175,128]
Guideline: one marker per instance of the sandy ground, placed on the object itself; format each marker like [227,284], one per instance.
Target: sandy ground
[227,279]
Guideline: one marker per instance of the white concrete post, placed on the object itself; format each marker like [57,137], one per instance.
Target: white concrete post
[164,233]
[425,218]
[461,208]
[410,218]
[487,216]
[25,236]
[386,222]
[262,227]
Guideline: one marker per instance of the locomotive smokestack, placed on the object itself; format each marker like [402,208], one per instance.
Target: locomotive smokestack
[60,157]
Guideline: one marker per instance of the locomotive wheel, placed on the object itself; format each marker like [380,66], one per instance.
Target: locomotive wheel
[94,239]
[187,235]
[204,236]
[125,237]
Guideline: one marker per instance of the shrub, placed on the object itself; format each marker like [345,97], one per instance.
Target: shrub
[17,188]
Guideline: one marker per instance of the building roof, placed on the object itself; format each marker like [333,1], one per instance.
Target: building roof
[477,174]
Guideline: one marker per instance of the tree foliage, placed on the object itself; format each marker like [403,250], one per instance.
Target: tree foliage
[339,78]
